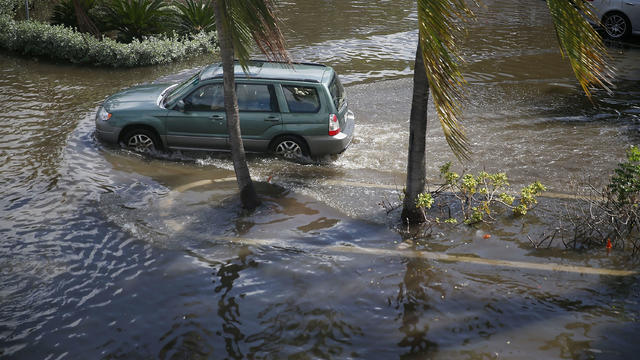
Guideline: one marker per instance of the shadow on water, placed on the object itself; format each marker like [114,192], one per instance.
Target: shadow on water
[281,301]
[285,297]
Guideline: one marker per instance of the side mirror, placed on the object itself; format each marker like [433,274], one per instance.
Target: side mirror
[179,106]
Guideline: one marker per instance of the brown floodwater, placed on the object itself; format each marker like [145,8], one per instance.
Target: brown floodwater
[106,254]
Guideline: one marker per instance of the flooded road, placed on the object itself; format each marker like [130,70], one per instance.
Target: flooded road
[105,254]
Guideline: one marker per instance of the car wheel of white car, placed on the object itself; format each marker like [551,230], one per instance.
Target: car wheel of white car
[616,25]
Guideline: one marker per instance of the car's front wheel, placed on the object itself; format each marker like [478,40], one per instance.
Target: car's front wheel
[616,25]
[290,147]
[141,140]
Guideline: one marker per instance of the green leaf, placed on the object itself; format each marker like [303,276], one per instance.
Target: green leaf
[254,22]
[581,43]
[439,26]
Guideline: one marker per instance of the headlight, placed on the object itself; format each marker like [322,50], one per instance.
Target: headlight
[103,114]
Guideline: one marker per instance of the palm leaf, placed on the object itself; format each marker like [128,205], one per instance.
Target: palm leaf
[254,22]
[439,26]
[195,15]
[581,44]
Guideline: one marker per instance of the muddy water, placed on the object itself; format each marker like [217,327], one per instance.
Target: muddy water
[104,254]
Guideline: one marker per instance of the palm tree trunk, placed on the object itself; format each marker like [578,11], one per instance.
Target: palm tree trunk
[416,170]
[85,24]
[248,194]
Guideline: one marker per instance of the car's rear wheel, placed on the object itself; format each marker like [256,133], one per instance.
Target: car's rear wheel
[290,147]
[616,26]
[141,140]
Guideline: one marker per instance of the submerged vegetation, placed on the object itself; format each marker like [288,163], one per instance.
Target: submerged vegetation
[472,198]
[478,195]
[608,217]
[469,199]
[117,33]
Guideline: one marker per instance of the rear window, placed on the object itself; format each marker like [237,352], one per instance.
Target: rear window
[337,92]
[301,99]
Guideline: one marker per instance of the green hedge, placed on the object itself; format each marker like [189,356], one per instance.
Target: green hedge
[8,7]
[64,44]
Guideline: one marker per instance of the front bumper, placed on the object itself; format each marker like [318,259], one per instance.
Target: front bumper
[107,133]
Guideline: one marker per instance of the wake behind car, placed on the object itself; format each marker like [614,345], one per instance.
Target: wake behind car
[291,110]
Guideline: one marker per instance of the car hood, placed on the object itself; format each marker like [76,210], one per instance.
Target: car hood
[142,97]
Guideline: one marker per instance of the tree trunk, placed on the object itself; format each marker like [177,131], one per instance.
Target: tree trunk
[248,194]
[85,25]
[416,171]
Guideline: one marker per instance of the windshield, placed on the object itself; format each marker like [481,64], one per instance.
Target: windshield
[337,92]
[177,91]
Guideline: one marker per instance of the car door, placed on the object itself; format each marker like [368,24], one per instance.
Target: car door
[305,115]
[260,118]
[601,7]
[202,123]
[632,9]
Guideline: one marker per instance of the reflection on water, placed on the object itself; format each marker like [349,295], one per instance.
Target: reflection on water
[105,254]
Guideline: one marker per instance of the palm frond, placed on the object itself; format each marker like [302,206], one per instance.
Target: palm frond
[194,16]
[439,26]
[581,44]
[254,22]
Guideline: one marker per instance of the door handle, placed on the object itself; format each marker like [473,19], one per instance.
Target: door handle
[272,118]
[630,4]
[217,118]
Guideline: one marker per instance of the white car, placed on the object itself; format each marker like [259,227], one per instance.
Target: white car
[620,18]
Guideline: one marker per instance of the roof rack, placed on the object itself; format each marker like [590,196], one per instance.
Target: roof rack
[215,71]
[241,76]
[284,62]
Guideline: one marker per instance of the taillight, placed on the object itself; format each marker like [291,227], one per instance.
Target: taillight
[334,125]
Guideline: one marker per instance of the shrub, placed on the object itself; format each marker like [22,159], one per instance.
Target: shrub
[608,217]
[605,218]
[135,19]
[64,13]
[476,196]
[625,182]
[63,44]
[194,16]
[9,7]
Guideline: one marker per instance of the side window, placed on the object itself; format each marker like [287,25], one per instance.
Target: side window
[337,92]
[206,98]
[256,97]
[301,99]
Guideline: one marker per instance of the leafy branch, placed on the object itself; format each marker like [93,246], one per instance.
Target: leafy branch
[477,196]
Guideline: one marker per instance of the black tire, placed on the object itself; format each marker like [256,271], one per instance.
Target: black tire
[290,147]
[616,26]
[142,141]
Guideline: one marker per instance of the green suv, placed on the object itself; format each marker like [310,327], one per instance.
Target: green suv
[291,110]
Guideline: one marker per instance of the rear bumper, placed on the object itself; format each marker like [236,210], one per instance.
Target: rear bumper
[330,145]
